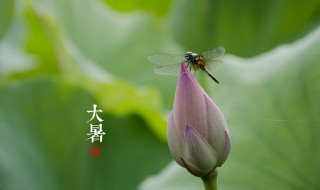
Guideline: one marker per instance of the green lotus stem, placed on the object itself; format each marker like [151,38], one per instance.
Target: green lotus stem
[210,180]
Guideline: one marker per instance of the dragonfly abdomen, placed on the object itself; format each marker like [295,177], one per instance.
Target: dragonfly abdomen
[210,75]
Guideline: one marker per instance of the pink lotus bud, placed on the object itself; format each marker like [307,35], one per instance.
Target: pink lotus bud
[198,136]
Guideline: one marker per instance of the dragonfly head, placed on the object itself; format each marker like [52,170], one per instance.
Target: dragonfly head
[187,54]
[191,57]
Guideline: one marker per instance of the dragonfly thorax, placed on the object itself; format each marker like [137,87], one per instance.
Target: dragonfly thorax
[193,58]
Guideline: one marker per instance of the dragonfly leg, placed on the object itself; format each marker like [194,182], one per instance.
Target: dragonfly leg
[194,69]
[189,65]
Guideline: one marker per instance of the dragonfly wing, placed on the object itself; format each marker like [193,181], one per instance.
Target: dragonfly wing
[213,58]
[165,59]
[213,65]
[172,69]
[215,54]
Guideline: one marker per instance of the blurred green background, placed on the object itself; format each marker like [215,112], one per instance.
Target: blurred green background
[59,57]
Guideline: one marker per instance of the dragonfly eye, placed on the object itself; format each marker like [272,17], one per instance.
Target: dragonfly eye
[187,55]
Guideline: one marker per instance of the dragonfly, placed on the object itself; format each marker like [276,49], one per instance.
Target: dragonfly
[208,61]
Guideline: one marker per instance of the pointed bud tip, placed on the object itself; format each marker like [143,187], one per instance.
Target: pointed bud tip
[183,67]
